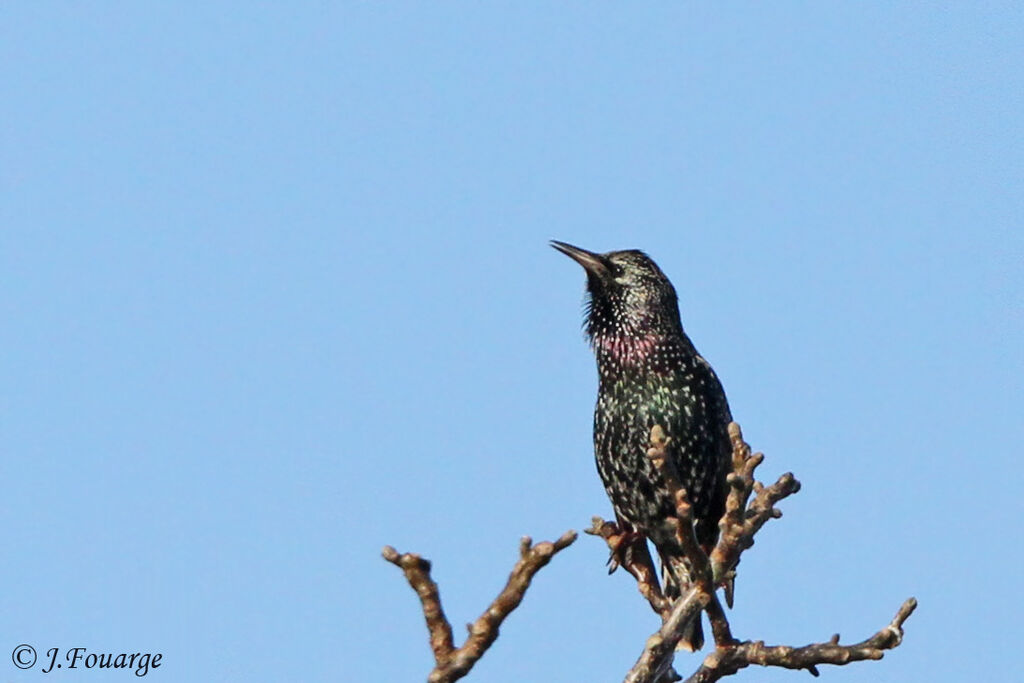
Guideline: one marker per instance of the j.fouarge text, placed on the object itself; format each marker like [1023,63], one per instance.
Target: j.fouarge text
[79,657]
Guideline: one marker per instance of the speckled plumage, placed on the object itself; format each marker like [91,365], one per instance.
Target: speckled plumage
[650,373]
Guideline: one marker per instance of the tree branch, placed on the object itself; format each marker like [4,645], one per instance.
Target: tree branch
[743,518]
[699,565]
[749,505]
[740,522]
[417,573]
[453,663]
[655,662]
[727,661]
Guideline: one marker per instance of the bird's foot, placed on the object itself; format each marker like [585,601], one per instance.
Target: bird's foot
[619,537]
[620,548]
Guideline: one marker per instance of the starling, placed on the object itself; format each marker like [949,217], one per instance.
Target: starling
[651,374]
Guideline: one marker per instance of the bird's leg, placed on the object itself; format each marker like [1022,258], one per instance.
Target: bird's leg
[629,550]
[619,536]
[624,547]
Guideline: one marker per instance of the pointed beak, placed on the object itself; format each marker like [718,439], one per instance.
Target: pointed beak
[593,263]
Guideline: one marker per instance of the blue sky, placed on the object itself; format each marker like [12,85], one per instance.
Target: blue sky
[276,292]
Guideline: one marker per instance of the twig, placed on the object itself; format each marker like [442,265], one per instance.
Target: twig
[699,564]
[726,661]
[453,663]
[417,573]
[740,521]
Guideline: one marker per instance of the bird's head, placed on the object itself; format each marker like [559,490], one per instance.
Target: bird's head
[629,296]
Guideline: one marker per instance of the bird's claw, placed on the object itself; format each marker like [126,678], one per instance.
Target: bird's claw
[729,587]
[619,542]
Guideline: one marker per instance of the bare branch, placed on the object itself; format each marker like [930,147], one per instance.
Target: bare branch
[453,663]
[700,566]
[749,505]
[740,522]
[727,661]
[658,452]
[743,518]
[655,662]
[417,573]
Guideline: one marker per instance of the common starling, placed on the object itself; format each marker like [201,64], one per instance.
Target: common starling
[651,374]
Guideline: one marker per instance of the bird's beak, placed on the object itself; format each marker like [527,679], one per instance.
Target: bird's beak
[593,263]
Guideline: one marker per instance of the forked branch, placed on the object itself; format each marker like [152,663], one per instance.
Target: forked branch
[743,518]
[452,663]
[749,506]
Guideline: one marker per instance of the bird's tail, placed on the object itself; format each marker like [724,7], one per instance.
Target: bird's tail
[674,578]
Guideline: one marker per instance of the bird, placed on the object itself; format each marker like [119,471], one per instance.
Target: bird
[650,373]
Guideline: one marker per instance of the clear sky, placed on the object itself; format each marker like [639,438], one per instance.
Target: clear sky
[276,292]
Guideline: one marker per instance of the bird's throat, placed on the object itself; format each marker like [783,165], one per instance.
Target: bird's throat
[626,350]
